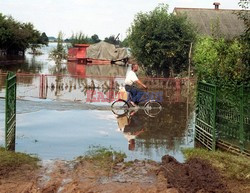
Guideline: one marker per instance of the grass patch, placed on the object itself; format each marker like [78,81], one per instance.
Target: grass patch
[102,156]
[10,161]
[129,163]
[231,166]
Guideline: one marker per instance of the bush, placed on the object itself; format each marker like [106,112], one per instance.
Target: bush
[220,61]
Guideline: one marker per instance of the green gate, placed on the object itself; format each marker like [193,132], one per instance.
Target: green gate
[205,115]
[10,112]
[223,117]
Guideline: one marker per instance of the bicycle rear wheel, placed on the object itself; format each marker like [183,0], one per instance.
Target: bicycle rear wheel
[120,107]
[152,108]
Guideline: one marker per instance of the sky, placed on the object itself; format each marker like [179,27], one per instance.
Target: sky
[101,17]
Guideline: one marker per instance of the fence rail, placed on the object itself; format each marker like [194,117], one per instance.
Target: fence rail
[87,88]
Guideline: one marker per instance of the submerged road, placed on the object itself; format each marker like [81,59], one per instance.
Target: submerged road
[64,130]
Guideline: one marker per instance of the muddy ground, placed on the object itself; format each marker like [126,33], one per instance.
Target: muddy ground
[169,176]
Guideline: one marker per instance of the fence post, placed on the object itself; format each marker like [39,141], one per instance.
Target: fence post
[10,112]
[241,119]
[214,119]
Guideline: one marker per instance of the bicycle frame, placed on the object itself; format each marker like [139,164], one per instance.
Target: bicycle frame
[146,97]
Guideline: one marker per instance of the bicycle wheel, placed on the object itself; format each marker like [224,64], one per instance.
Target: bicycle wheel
[152,108]
[119,107]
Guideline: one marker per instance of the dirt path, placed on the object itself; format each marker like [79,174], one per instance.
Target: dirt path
[138,176]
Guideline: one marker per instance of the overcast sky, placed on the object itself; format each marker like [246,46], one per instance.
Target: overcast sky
[101,17]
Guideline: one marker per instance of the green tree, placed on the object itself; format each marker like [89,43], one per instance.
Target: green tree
[16,36]
[79,38]
[244,15]
[38,42]
[112,40]
[161,41]
[95,39]
[124,43]
[59,53]
[220,61]
[44,39]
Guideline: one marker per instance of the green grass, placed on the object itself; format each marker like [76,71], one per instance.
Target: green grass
[231,166]
[102,156]
[10,161]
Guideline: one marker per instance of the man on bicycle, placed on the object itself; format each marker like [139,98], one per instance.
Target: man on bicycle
[130,85]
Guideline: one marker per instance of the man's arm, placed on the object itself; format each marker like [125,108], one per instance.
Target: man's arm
[141,84]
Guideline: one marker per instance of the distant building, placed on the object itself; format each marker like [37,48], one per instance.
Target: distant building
[226,20]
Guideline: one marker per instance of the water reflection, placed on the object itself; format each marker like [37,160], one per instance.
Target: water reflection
[31,65]
[90,89]
[60,67]
[168,130]
[40,77]
[71,127]
[42,64]
[130,126]
[140,136]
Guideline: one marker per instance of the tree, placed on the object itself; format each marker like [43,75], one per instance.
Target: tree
[244,15]
[44,39]
[220,61]
[59,53]
[40,40]
[124,43]
[161,41]
[79,38]
[95,39]
[112,40]
[16,36]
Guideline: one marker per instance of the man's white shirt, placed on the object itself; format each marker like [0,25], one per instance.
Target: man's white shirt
[131,77]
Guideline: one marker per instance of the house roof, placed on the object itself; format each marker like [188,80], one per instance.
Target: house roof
[229,24]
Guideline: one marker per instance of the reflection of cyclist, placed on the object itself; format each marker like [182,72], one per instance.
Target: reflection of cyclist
[130,86]
[131,128]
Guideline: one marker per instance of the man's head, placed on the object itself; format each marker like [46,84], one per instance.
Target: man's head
[134,63]
[135,67]
[131,145]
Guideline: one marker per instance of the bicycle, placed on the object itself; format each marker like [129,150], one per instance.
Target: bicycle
[151,107]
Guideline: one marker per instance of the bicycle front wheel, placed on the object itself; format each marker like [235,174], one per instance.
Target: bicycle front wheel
[120,107]
[152,108]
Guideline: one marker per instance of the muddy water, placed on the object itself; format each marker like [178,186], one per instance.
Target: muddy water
[64,130]
[62,114]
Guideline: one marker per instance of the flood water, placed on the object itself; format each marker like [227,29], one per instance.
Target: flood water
[64,109]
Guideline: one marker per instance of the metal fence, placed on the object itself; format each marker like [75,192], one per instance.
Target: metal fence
[10,109]
[88,88]
[205,115]
[223,117]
